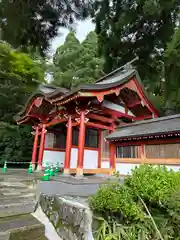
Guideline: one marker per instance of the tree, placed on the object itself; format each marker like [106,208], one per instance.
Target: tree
[15,143]
[76,63]
[65,60]
[89,64]
[127,29]
[172,73]
[35,23]
[19,76]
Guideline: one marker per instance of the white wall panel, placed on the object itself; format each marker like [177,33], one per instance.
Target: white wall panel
[53,157]
[90,159]
[125,168]
[74,156]
[174,168]
[105,164]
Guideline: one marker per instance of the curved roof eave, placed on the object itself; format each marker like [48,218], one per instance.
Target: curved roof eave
[94,87]
[120,78]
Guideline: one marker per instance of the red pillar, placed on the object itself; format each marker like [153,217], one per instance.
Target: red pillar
[81,141]
[34,153]
[68,146]
[41,149]
[112,151]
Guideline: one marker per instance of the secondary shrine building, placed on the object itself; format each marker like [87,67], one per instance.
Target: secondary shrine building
[88,129]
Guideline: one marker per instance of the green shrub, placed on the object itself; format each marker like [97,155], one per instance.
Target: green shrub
[116,199]
[153,183]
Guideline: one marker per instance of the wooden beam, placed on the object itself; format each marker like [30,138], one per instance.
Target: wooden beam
[99,126]
[41,118]
[75,124]
[144,98]
[100,118]
[56,121]
[114,113]
[143,118]
[135,103]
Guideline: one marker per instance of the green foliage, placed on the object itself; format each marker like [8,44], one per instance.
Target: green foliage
[37,22]
[76,63]
[15,143]
[153,183]
[117,199]
[146,29]
[111,230]
[146,206]
[15,64]
[19,76]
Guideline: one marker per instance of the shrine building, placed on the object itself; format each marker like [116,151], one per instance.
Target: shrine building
[88,129]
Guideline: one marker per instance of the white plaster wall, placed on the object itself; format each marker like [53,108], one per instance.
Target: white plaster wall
[90,159]
[74,156]
[53,157]
[174,168]
[105,164]
[125,168]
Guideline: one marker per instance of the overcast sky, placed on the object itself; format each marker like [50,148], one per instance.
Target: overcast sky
[82,29]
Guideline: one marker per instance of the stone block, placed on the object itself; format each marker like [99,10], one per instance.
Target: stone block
[71,219]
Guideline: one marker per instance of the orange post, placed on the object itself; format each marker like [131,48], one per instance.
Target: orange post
[81,142]
[68,146]
[34,153]
[41,149]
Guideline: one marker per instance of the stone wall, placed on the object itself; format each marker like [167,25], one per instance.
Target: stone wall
[71,218]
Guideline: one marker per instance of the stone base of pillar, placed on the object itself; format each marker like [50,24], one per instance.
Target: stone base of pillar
[33,166]
[39,168]
[66,171]
[79,172]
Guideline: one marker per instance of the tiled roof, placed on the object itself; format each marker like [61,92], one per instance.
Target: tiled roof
[168,124]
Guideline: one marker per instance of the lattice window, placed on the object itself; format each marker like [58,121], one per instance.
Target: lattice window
[91,137]
[127,151]
[55,140]
[163,151]
[104,145]
[49,140]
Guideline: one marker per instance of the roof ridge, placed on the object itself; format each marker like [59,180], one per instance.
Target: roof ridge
[126,66]
[158,119]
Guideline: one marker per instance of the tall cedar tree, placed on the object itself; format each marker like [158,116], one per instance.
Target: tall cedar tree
[127,29]
[77,63]
[36,22]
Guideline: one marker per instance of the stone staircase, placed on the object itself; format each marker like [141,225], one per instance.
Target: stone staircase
[17,202]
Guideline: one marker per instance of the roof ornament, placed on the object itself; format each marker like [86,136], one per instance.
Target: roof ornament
[129,65]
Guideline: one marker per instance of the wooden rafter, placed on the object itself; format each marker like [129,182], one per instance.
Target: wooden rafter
[56,121]
[100,118]
[99,126]
[114,113]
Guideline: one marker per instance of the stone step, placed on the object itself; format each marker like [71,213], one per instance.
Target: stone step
[12,185]
[16,194]
[16,199]
[13,208]
[22,227]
